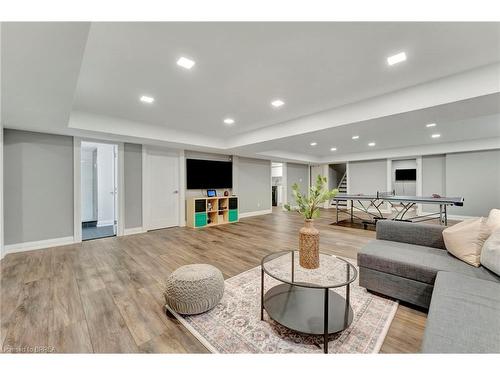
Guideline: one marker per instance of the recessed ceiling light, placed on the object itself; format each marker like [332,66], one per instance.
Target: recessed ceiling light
[430,125]
[185,62]
[313,143]
[436,135]
[228,121]
[394,59]
[355,137]
[333,149]
[371,144]
[147,99]
[277,103]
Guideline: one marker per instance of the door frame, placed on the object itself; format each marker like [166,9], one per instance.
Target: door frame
[77,191]
[146,199]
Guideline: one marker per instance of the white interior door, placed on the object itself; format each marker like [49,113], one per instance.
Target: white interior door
[161,190]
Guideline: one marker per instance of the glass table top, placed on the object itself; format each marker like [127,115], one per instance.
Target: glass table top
[333,272]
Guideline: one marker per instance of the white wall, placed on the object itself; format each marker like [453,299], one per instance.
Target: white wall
[404,187]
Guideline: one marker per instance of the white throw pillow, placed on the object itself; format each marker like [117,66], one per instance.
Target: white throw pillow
[490,255]
[465,240]
[494,219]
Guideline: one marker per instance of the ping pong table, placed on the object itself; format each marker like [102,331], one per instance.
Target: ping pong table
[371,205]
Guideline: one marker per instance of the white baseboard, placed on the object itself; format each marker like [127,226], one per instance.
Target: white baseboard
[453,217]
[128,231]
[36,245]
[256,213]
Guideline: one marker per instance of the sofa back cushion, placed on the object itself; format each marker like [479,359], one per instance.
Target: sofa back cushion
[490,254]
[494,219]
[465,240]
[429,235]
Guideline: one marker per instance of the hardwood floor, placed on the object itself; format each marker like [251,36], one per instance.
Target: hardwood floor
[105,295]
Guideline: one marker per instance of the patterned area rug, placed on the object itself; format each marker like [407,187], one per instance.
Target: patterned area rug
[234,325]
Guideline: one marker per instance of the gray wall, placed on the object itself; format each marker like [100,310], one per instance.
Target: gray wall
[254,185]
[133,185]
[38,186]
[296,173]
[476,177]
[433,178]
[367,177]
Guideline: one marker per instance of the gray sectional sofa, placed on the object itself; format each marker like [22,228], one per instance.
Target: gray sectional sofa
[409,262]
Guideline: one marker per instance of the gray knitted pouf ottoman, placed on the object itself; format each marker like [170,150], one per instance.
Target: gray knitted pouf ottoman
[194,289]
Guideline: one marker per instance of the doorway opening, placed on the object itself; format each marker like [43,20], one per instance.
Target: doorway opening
[99,190]
[277,184]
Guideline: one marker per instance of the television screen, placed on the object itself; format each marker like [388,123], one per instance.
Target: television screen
[406,174]
[209,174]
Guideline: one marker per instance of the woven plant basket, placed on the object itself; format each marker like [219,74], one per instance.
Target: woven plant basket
[309,245]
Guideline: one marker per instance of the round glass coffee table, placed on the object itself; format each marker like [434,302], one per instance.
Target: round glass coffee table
[304,300]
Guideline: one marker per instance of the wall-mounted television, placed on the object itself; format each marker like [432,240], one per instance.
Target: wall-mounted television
[406,175]
[209,174]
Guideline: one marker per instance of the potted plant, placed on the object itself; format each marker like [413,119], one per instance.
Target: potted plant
[308,206]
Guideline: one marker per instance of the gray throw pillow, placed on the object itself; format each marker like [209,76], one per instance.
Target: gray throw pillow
[490,254]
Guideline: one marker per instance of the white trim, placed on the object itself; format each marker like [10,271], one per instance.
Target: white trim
[77,203]
[388,179]
[255,213]
[271,185]
[36,245]
[182,188]
[420,183]
[121,189]
[453,217]
[284,184]
[137,230]
[145,187]
[77,199]
[389,175]
[348,183]
[236,167]
[309,166]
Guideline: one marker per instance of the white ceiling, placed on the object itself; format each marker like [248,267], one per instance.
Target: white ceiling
[53,71]
[470,119]
[241,67]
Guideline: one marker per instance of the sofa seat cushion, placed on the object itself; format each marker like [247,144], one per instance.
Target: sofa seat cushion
[463,316]
[416,262]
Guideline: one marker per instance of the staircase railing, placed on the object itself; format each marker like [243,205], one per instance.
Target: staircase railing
[342,179]
[333,202]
